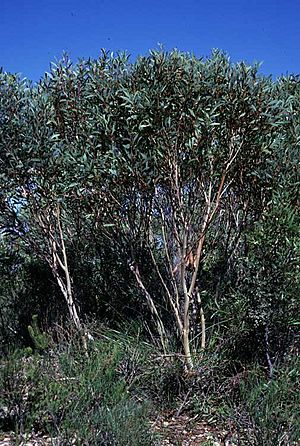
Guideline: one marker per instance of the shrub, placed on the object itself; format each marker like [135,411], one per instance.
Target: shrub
[268,409]
[76,398]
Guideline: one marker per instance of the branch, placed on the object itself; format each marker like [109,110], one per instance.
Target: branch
[151,304]
[171,301]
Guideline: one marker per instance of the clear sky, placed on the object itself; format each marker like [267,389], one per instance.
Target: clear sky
[36,32]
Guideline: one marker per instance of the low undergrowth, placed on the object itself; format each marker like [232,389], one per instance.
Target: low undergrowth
[109,394]
[73,396]
[268,409]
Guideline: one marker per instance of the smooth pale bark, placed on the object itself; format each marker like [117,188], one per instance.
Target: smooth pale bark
[157,319]
[58,262]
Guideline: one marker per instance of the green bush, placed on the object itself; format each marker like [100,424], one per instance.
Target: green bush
[76,398]
[40,339]
[18,375]
[268,409]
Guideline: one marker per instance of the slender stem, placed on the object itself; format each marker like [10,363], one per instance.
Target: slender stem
[170,299]
[152,307]
[202,322]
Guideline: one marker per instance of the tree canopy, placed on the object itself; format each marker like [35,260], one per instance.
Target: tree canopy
[171,181]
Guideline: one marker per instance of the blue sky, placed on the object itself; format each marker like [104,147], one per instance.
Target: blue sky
[36,32]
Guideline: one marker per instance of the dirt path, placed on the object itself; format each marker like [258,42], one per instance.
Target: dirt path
[183,430]
[179,430]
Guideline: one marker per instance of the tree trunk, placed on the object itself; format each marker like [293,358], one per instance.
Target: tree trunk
[60,268]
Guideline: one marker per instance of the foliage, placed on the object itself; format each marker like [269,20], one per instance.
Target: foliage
[82,400]
[267,412]
[40,339]
[164,194]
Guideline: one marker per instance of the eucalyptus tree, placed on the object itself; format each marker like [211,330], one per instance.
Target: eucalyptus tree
[32,189]
[168,158]
[56,142]
[35,189]
[192,147]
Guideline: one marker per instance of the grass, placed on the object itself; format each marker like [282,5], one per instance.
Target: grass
[109,396]
[79,399]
